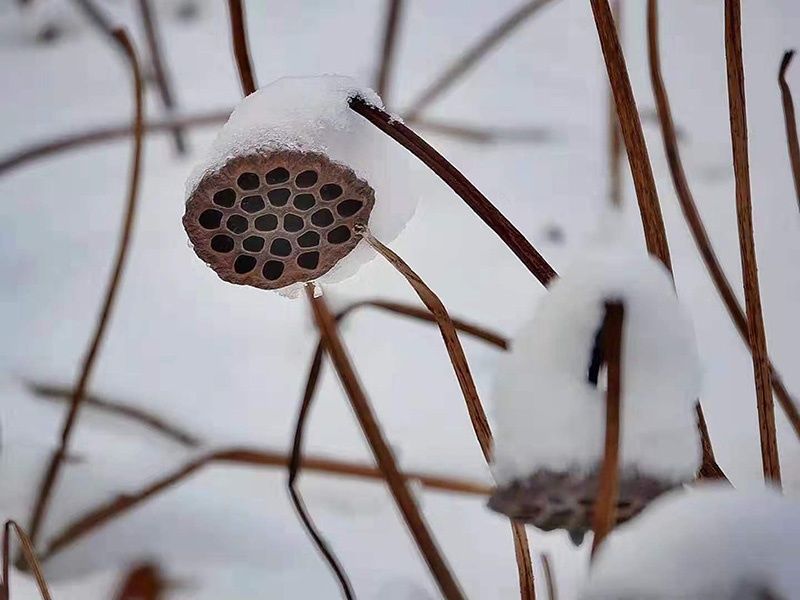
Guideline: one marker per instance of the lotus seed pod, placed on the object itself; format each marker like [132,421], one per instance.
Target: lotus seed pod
[549,397]
[292,179]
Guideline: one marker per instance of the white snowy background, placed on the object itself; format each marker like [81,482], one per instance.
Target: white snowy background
[229,362]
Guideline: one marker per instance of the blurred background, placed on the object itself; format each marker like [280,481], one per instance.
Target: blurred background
[528,124]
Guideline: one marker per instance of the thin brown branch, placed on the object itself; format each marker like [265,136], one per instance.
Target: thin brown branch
[53,470]
[605,507]
[29,553]
[790,122]
[480,134]
[153,38]
[692,215]
[142,582]
[477,415]
[652,222]
[470,57]
[744,213]
[151,421]
[549,577]
[381,450]
[383,77]
[479,203]
[105,134]
[709,469]
[241,50]
[114,509]
[614,137]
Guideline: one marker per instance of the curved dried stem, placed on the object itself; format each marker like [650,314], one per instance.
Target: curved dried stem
[383,76]
[470,57]
[692,215]
[241,50]
[29,553]
[605,506]
[549,577]
[744,213]
[479,203]
[790,122]
[51,475]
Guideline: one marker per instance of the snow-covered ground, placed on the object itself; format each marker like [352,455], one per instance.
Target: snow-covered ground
[229,362]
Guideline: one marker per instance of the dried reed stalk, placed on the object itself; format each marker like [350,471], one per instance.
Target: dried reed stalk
[744,213]
[605,506]
[29,553]
[159,68]
[614,139]
[652,222]
[477,415]
[692,215]
[790,122]
[709,469]
[381,450]
[241,49]
[479,203]
[51,475]
[470,57]
[549,577]
[383,76]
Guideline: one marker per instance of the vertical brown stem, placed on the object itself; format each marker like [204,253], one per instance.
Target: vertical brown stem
[790,122]
[57,459]
[744,213]
[479,203]
[654,232]
[388,49]
[605,507]
[692,215]
[380,449]
[477,415]
[240,47]
[159,68]
[29,553]
[614,138]
[549,577]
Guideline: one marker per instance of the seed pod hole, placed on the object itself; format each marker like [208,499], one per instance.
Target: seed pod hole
[210,219]
[272,270]
[248,181]
[237,224]
[322,218]
[292,223]
[349,207]
[266,223]
[306,179]
[253,204]
[339,235]
[330,191]
[279,197]
[278,175]
[222,243]
[244,264]
[280,247]
[253,244]
[308,260]
[304,201]
[308,240]
[225,198]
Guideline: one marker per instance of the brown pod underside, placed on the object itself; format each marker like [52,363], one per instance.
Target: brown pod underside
[564,500]
[276,218]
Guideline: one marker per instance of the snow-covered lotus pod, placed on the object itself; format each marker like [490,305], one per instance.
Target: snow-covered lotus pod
[291,179]
[710,542]
[549,396]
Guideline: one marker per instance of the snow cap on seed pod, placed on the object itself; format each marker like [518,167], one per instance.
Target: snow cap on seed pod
[549,396]
[290,180]
[709,542]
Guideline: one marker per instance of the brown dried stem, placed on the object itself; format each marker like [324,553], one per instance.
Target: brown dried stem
[51,475]
[652,222]
[477,415]
[790,121]
[151,421]
[114,509]
[479,203]
[709,469]
[744,213]
[549,577]
[388,49]
[381,450]
[692,215]
[142,582]
[470,57]
[241,50]
[605,507]
[29,553]
[159,68]
[614,138]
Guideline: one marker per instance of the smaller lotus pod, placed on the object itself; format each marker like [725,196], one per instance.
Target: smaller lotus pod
[549,396]
[709,542]
[292,180]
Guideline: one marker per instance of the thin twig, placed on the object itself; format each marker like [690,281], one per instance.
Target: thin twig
[652,222]
[790,122]
[481,134]
[29,553]
[614,138]
[151,421]
[477,415]
[744,214]
[479,203]
[388,49]
[159,68]
[605,506]
[549,577]
[470,57]
[241,51]
[142,582]
[692,215]
[101,515]
[381,450]
[51,475]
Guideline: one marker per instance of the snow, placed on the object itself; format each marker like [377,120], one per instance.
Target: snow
[549,415]
[311,114]
[706,543]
